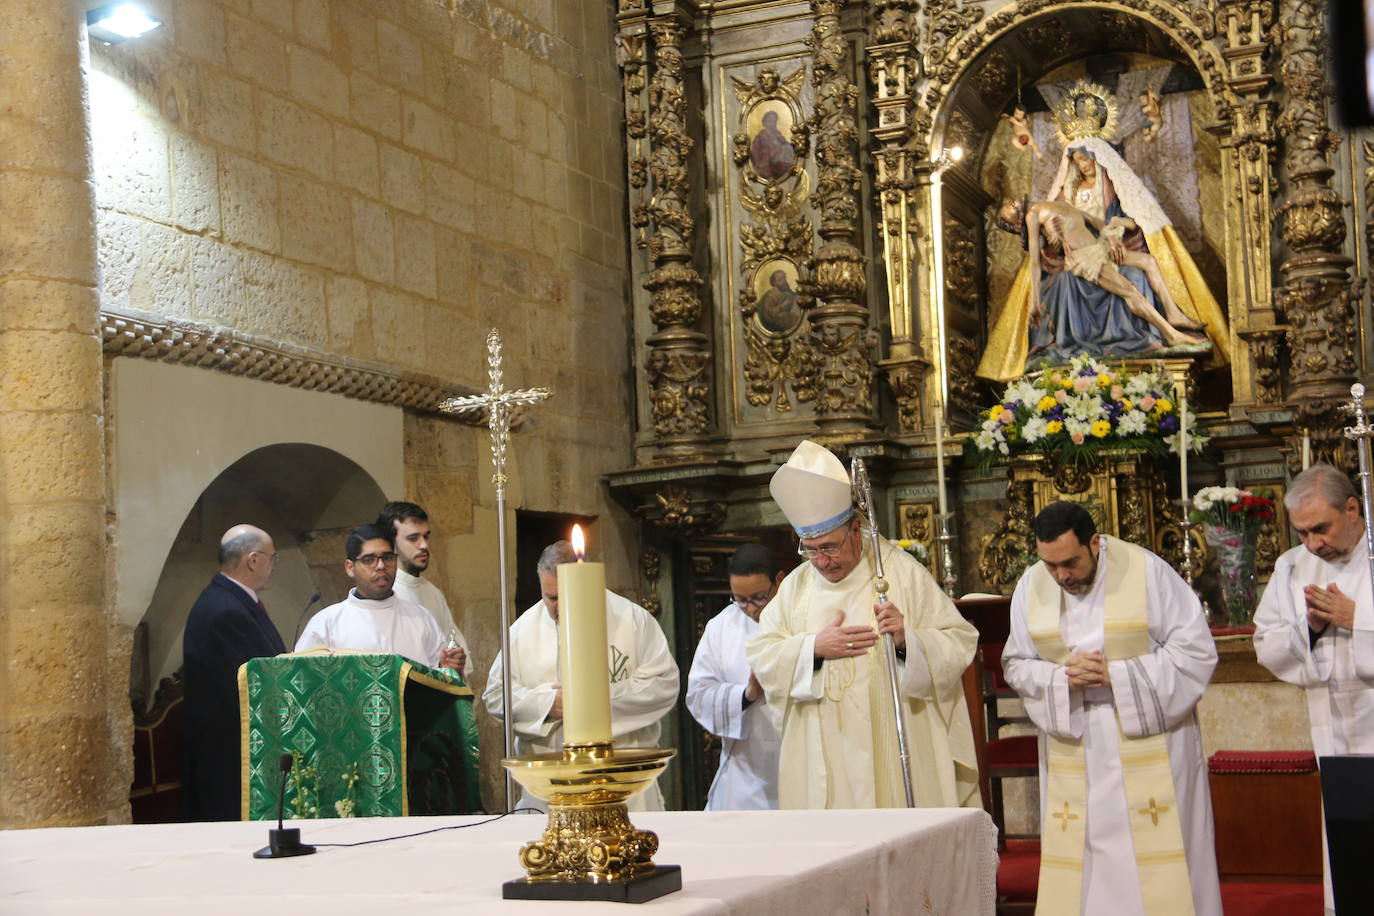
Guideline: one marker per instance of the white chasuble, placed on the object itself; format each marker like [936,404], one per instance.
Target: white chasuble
[389,625]
[839,740]
[747,777]
[644,684]
[1126,816]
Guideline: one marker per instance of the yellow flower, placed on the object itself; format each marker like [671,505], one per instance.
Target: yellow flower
[1163,405]
[1067,384]
[904,543]
[1104,380]
[1054,426]
[1101,428]
[995,411]
[1045,403]
[1126,404]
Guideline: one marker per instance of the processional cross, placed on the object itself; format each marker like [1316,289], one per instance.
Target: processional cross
[499,402]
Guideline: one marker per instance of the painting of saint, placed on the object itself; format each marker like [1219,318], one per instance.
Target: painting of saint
[775,303]
[770,151]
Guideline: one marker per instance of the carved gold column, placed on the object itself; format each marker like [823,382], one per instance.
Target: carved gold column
[1316,296]
[894,69]
[839,319]
[1242,28]
[679,359]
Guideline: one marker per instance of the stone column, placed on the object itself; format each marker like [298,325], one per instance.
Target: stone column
[64,715]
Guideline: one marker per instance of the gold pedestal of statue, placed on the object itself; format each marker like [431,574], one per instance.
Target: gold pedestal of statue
[589,849]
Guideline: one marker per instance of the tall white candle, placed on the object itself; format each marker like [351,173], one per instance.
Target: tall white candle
[1306,449]
[1183,441]
[940,458]
[584,662]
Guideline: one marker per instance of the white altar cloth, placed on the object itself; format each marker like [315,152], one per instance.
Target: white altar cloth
[733,862]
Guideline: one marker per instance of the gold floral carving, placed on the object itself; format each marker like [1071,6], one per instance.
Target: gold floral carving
[961,354]
[650,567]
[1266,357]
[679,507]
[775,356]
[172,340]
[916,522]
[679,357]
[630,55]
[1004,553]
[892,20]
[839,323]
[907,381]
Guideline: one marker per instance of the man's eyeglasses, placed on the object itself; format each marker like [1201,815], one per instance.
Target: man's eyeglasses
[830,550]
[758,600]
[263,553]
[372,559]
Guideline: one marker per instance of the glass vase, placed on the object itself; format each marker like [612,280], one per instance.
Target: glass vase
[1235,553]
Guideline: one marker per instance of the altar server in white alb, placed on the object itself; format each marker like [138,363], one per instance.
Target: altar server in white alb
[727,700]
[825,677]
[408,524]
[372,618]
[644,677]
[1110,650]
[1315,624]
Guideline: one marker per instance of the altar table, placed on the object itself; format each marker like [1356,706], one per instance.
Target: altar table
[924,861]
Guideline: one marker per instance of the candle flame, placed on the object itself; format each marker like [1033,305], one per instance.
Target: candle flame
[579,543]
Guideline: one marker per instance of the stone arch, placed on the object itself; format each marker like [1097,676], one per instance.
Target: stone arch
[314,460]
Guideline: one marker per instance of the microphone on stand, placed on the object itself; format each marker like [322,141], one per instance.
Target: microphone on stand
[300,621]
[283,843]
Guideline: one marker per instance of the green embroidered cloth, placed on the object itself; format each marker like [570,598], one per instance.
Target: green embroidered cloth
[402,733]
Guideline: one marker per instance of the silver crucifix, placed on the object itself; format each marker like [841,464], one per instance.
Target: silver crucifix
[499,403]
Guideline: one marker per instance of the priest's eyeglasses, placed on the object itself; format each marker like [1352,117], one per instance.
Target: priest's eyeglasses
[830,550]
[758,600]
[372,559]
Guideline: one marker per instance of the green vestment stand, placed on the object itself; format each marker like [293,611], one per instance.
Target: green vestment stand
[372,736]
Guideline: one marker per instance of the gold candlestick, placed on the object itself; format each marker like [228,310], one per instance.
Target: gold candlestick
[589,849]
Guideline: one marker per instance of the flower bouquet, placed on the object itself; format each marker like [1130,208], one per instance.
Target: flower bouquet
[1231,520]
[916,549]
[1082,410]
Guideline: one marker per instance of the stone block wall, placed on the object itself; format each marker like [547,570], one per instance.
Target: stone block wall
[379,181]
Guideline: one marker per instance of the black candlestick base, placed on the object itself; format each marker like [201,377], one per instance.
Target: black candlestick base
[664,879]
[282,844]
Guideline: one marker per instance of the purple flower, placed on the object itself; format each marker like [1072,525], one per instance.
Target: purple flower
[1168,424]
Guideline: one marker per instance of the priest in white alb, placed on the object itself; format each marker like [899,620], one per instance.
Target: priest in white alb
[1315,623]
[825,676]
[727,700]
[644,677]
[372,618]
[1110,651]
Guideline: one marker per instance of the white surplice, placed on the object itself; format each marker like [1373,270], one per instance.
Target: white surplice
[390,624]
[644,684]
[1338,671]
[747,777]
[1150,694]
[839,743]
[426,594]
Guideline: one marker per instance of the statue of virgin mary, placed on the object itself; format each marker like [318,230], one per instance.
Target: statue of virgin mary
[1083,317]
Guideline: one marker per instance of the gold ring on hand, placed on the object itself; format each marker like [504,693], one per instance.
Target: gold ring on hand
[849,645]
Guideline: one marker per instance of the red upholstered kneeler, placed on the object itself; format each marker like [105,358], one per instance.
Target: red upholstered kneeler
[1267,806]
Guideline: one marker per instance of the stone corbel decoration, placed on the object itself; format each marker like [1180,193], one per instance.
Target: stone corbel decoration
[839,319]
[190,343]
[678,365]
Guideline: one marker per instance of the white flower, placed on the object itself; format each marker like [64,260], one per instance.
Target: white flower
[1022,391]
[1085,406]
[1131,423]
[1074,425]
[1034,429]
[985,441]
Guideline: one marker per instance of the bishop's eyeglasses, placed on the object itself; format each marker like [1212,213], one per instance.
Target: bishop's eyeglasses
[830,550]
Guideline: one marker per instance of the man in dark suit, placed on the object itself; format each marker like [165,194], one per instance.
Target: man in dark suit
[227,626]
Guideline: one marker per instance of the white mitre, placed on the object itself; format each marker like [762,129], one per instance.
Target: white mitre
[813,490]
